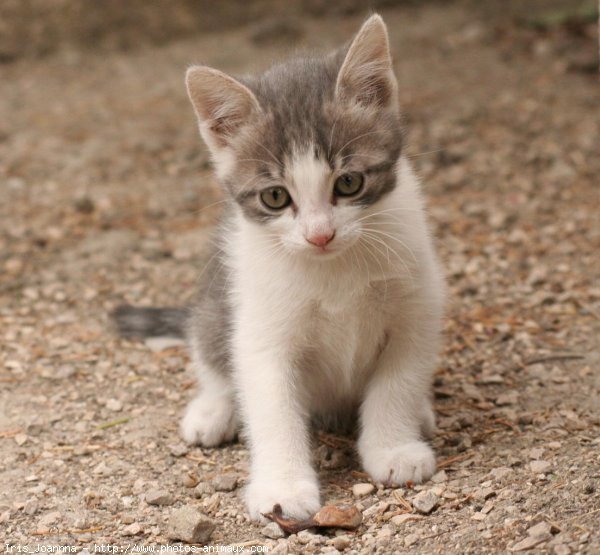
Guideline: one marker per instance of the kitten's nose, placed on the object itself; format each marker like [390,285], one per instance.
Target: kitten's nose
[321,239]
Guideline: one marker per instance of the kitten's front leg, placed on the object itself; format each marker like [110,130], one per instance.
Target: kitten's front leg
[277,429]
[395,413]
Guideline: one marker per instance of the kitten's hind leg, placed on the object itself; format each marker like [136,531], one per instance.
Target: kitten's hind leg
[210,418]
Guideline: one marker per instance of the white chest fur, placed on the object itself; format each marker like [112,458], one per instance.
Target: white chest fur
[330,321]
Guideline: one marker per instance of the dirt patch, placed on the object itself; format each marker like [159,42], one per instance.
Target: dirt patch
[34,28]
[107,195]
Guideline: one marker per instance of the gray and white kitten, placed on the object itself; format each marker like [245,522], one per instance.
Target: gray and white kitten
[324,297]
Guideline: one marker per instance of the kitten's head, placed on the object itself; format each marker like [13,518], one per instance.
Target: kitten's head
[310,146]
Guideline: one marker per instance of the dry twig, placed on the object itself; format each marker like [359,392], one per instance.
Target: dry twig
[451,460]
[113,423]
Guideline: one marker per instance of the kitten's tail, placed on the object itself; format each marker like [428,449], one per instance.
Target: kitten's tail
[132,321]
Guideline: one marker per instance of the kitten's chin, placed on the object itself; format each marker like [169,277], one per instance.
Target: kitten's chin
[321,254]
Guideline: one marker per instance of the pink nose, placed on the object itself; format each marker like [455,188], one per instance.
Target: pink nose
[321,239]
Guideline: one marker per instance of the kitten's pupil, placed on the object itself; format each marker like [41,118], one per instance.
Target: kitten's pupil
[348,184]
[275,198]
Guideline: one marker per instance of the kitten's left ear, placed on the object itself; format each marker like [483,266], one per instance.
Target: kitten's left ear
[366,76]
[223,104]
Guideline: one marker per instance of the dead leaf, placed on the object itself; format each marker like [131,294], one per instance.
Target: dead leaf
[330,516]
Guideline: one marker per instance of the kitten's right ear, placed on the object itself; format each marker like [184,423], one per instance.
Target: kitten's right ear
[221,103]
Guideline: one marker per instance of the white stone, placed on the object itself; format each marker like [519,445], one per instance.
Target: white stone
[425,501]
[361,490]
[540,467]
[159,497]
[439,477]
[273,531]
[189,525]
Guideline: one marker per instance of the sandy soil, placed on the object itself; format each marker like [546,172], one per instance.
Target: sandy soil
[107,196]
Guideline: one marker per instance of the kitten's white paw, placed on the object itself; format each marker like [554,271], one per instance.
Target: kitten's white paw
[412,461]
[209,421]
[298,498]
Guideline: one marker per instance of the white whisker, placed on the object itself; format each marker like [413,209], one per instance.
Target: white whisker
[357,138]
[378,262]
[390,249]
[277,161]
[394,238]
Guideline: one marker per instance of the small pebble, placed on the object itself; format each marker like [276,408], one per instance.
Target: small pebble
[225,482]
[132,530]
[425,501]
[190,481]
[439,477]
[305,537]
[189,525]
[178,450]
[484,493]
[500,472]
[341,543]
[361,490]
[31,507]
[541,530]
[536,453]
[526,544]
[49,519]
[20,439]
[273,531]
[203,489]
[505,399]
[489,505]
[114,405]
[81,523]
[376,509]
[159,497]
[386,532]
[540,467]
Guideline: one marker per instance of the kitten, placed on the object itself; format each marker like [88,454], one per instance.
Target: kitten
[323,297]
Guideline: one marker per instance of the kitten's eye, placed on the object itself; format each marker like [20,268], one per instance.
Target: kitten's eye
[348,184]
[275,198]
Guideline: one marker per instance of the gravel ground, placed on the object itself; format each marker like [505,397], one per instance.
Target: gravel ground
[107,196]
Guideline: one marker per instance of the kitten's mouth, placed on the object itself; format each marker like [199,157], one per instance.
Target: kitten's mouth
[323,253]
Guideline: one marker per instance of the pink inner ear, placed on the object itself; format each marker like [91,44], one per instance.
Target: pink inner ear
[222,104]
[366,76]
[224,127]
[377,91]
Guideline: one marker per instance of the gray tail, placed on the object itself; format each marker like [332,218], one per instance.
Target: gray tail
[142,322]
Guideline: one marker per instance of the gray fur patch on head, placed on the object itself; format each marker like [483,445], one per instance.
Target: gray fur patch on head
[301,112]
[341,107]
